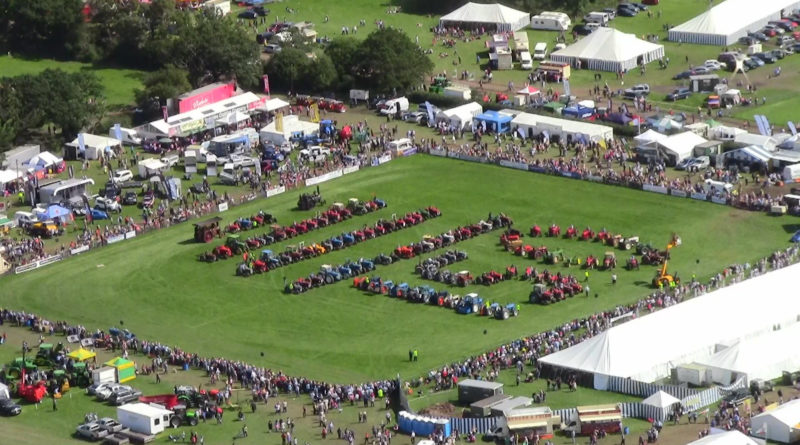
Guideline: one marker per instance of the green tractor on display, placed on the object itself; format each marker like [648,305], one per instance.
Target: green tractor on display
[554,257]
[236,245]
[438,84]
[47,355]
[79,376]
[14,369]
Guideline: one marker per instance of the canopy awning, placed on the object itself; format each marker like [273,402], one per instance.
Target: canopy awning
[81,354]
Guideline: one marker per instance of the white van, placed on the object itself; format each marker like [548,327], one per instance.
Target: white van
[717,187]
[127,135]
[540,51]
[24,219]
[399,146]
[601,18]
[791,172]
[391,105]
[551,21]
[525,61]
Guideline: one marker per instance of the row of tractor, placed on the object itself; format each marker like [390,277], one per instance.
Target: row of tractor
[430,267]
[329,274]
[469,304]
[427,244]
[269,260]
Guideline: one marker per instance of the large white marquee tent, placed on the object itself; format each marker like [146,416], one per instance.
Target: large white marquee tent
[723,24]
[763,357]
[648,347]
[779,424]
[497,15]
[609,50]
[535,124]
[733,437]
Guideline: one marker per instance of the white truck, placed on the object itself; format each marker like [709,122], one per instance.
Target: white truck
[525,60]
[540,51]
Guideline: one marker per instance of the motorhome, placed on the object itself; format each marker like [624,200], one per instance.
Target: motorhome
[551,21]
[525,60]
[540,51]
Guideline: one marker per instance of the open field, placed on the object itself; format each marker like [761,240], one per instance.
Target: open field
[156,285]
[119,83]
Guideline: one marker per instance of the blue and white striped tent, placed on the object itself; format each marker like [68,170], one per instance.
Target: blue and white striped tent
[481,424]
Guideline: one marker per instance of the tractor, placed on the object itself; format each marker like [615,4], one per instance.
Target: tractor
[503,312]
[383,260]
[79,375]
[330,274]
[536,231]
[553,230]
[571,232]
[490,278]
[308,201]
[48,356]
[16,369]
[244,270]
[404,252]
[470,304]
[206,231]
[554,257]
[662,278]
[629,243]
[464,278]
[438,84]
[236,245]
[601,236]
[633,263]
[209,257]
[511,272]
[399,290]
[591,262]
[587,234]
[609,261]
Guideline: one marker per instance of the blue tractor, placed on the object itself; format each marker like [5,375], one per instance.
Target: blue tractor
[399,291]
[269,257]
[366,265]
[330,275]
[327,130]
[427,293]
[337,242]
[348,239]
[470,304]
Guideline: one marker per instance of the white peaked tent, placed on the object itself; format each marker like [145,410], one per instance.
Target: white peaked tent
[764,357]
[497,15]
[779,424]
[680,146]
[649,136]
[723,24]
[661,400]
[609,50]
[633,349]
[461,116]
[733,437]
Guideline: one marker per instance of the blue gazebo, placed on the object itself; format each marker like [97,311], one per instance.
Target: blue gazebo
[492,122]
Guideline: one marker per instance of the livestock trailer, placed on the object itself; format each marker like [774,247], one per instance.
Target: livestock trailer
[143,418]
[473,390]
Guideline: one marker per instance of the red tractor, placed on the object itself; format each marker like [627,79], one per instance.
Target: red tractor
[222,252]
[32,393]
[404,252]
[572,232]
[464,278]
[554,230]
[610,261]
[525,251]
[434,211]
[601,236]
[591,262]
[260,266]
[536,231]
[511,272]
[633,263]
[587,234]
[491,277]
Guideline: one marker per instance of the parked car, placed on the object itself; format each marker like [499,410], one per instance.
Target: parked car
[9,408]
[612,13]
[758,35]
[700,70]
[91,431]
[121,176]
[765,57]
[638,90]
[248,14]
[583,30]
[95,387]
[272,48]
[124,396]
[774,28]
[777,53]
[747,40]
[108,205]
[627,12]
[679,93]
[110,425]
[413,116]
[699,163]
[130,199]
[107,392]
[712,65]
[683,163]
[683,75]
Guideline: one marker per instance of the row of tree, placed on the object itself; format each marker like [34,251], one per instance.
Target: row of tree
[387,60]
[66,102]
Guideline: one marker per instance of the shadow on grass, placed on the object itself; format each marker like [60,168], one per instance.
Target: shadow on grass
[791,228]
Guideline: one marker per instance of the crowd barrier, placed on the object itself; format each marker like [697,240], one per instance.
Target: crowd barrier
[37,264]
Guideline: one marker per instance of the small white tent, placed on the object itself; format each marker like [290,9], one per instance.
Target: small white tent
[733,437]
[609,50]
[649,137]
[461,116]
[680,146]
[779,424]
[661,399]
[501,17]
[291,125]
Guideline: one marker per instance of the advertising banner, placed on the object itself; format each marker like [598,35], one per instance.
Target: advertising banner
[678,193]
[223,206]
[199,100]
[516,165]
[276,191]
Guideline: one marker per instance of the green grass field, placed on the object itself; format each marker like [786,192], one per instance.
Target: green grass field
[156,285]
[119,83]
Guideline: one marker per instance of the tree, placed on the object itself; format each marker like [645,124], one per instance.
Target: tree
[319,74]
[389,60]
[343,52]
[163,84]
[49,27]
[74,100]
[286,67]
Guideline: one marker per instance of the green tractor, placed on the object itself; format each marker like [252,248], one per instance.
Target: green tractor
[80,377]
[554,257]
[439,84]
[191,397]
[236,245]
[14,369]
[47,354]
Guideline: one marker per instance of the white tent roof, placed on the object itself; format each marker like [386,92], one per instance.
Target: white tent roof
[762,357]
[661,400]
[93,140]
[568,126]
[755,139]
[733,437]
[291,124]
[682,144]
[608,44]
[650,136]
[732,16]
[9,175]
[493,13]
[233,118]
[471,109]
[787,414]
[719,313]
[274,104]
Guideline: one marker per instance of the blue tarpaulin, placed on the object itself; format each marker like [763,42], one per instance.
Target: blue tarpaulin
[55,211]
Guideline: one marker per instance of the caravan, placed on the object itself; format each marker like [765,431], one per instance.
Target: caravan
[551,21]
[601,18]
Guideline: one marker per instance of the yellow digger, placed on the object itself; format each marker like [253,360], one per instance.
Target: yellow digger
[662,278]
